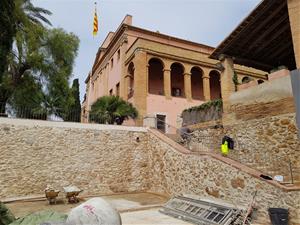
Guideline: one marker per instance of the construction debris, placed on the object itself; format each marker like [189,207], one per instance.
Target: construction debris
[94,211]
[203,211]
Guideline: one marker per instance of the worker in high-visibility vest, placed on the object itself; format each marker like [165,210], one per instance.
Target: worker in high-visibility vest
[224,148]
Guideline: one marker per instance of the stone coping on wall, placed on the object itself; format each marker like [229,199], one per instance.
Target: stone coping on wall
[267,92]
[43,123]
[42,197]
[228,161]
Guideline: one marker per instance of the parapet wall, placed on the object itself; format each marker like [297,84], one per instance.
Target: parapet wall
[96,158]
[268,99]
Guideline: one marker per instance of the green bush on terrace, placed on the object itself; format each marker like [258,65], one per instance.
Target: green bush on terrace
[218,103]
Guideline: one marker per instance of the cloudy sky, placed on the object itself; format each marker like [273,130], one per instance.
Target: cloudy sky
[203,21]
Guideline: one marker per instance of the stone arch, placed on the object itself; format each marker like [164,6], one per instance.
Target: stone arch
[197,83]
[157,58]
[177,79]
[260,81]
[215,85]
[156,76]
[130,84]
[246,79]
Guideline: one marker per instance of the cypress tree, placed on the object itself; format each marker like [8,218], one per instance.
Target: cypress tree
[75,109]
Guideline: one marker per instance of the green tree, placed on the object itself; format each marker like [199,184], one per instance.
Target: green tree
[36,80]
[7,32]
[15,16]
[45,59]
[18,18]
[74,111]
[27,14]
[112,109]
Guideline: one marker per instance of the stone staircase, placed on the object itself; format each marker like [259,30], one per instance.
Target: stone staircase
[267,169]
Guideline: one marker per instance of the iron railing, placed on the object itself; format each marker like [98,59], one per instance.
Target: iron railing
[58,115]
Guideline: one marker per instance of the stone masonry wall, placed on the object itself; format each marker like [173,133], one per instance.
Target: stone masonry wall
[96,159]
[265,144]
[106,159]
[177,173]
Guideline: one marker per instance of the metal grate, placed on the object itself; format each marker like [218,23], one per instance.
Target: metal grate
[200,212]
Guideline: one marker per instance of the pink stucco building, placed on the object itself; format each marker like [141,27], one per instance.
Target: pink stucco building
[160,74]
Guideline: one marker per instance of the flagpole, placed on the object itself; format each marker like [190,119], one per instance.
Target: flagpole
[95,3]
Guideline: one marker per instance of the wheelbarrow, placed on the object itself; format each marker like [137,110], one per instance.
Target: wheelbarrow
[71,193]
[51,195]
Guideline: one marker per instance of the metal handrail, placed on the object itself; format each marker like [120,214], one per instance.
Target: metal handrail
[169,125]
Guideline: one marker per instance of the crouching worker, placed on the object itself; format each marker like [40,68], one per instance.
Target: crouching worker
[224,148]
[185,134]
[227,143]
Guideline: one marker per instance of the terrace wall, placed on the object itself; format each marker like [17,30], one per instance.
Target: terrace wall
[96,158]
[210,175]
[261,120]
[108,159]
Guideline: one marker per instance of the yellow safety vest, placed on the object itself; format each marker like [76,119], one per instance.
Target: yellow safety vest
[224,148]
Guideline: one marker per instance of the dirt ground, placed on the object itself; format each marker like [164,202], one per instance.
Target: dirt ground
[135,208]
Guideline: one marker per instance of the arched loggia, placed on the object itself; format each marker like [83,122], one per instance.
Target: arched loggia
[215,85]
[155,76]
[177,80]
[130,84]
[197,83]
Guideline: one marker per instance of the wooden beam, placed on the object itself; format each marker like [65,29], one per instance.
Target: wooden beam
[282,44]
[265,5]
[265,22]
[271,29]
[253,63]
[287,48]
[267,42]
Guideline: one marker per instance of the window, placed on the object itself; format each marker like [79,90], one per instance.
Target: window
[176,92]
[111,92]
[119,54]
[118,89]
[246,80]
[260,81]
[112,63]
[161,122]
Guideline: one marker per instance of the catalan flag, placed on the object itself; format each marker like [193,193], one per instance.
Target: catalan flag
[95,30]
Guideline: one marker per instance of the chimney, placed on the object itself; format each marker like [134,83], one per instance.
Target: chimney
[127,20]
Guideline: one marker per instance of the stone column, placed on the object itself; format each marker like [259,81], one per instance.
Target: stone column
[147,78]
[126,86]
[206,84]
[167,83]
[123,85]
[140,84]
[294,16]
[227,85]
[106,77]
[188,86]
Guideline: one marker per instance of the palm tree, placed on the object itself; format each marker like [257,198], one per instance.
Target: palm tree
[7,32]
[21,18]
[26,13]
[112,109]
